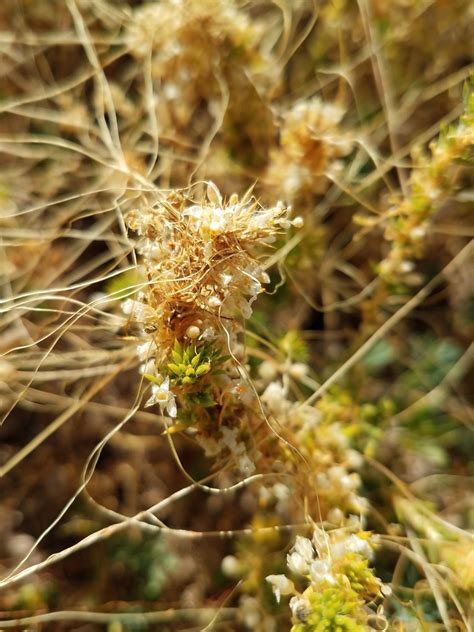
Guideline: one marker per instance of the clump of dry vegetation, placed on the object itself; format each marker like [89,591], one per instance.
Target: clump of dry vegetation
[236,315]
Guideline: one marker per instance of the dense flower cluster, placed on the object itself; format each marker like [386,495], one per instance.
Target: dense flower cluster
[200,264]
[200,259]
[323,470]
[340,584]
[434,180]
[311,144]
[192,45]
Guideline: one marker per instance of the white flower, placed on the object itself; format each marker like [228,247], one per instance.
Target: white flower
[213,301]
[336,516]
[320,541]
[193,332]
[161,395]
[406,266]
[358,503]
[267,370]
[137,310]
[208,334]
[349,482]
[322,481]
[243,305]
[336,472]
[151,250]
[146,350]
[281,585]
[274,396]
[250,611]
[246,466]
[210,221]
[298,370]
[300,608]
[231,566]
[355,523]
[320,571]
[354,459]
[352,544]
[127,306]
[301,556]
[281,491]
[297,563]
[147,367]
[304,547]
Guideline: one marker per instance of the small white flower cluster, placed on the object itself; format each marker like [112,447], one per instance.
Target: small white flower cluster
[333,461]
[331,454]
[275,398]
[317,561]
[319,122]
[337,482]
[279,494]
[268,370]
[310,145]
[281,585]
[190,42]
[352,544]
[146,352]
[306,419]
[212,220]
[217,226]
[198,254]
[334,481]
[171,27]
